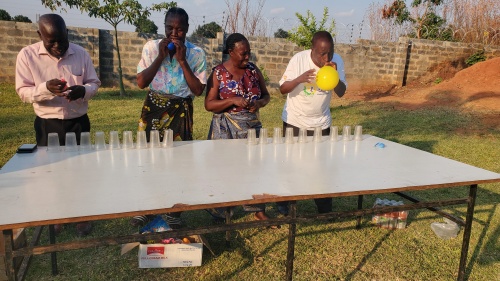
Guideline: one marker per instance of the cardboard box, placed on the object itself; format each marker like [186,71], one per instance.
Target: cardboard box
[171,255]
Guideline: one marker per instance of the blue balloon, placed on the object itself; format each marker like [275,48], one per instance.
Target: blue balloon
[380,145]
[171,46]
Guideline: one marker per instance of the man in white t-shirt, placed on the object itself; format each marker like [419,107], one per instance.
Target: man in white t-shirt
[306,105]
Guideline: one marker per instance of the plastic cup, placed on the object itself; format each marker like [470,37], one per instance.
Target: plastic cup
[346,133]
[70,143]
[141,140]
[334,133]
[289,135]
[318,134]
[168,138]
[85,143]
[154,139]
[278,135]
[358,133]
[114,140]
[303,135]
[251,136]
[128,141]
[53,143]
[100,142]
[263,136]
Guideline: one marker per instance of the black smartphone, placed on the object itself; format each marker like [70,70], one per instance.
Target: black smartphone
[26,148]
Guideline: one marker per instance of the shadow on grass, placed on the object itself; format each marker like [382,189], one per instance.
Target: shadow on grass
[483,242]
[382,120]
[484,250]
[112,94]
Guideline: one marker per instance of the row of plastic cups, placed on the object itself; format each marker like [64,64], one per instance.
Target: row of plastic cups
[128,142]
[53,144]
[302,137]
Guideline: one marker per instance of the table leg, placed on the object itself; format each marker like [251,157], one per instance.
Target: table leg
[53,255]
[228,221]
[467,231]
[9,259]
[360,206]
[291,242]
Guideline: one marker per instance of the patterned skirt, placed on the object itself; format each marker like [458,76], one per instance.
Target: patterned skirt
[164,111]
[233,125]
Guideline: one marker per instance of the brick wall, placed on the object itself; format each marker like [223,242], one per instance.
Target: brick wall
[367,63]
[16,35]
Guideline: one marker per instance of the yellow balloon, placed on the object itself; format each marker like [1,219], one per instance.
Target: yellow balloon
[327,78]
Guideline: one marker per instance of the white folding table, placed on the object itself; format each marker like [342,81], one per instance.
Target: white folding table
[46,188]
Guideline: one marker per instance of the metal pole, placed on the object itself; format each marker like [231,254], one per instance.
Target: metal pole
[291,242]
[53,255]
[360,206]
[228,221]
[467,231]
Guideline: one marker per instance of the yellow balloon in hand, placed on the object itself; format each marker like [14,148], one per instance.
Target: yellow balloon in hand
[327,78]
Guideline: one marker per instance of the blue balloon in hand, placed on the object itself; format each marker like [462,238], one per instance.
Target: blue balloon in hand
[171,46]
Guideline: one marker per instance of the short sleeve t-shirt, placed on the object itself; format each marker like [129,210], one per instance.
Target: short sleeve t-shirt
[306,105]
[169,78]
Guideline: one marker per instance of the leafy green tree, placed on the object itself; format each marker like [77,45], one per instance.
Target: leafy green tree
[113,12]
[21,18]
[4,15]
[429,25]
[303,34]
[434,28]
[145,25]
[208,30]
[280,33]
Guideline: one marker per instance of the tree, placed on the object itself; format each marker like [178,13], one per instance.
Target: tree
[145,25]
[208,30]
[428,25]
[434,28]
[4,15]
[21,18]
[303,34]
[113,12]
[280,33]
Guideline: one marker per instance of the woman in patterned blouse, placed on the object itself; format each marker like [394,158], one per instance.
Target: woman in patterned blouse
[235,93]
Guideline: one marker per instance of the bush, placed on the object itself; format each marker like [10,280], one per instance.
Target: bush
[475,58]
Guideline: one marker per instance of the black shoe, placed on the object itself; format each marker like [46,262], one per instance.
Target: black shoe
[141,220]
[173,221]
[219,214]
[283,210]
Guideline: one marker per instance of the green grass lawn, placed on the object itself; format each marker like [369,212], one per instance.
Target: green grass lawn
[324,251]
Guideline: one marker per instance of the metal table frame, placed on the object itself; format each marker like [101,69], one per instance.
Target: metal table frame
[292,220]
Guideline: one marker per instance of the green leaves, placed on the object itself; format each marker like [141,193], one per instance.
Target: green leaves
[302,35]
[208,30]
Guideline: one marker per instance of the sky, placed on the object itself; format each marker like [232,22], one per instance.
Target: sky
[276,13]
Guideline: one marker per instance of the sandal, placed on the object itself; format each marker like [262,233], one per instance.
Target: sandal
[141,220]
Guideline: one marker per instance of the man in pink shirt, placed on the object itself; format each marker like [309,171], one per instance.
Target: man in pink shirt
[58,78]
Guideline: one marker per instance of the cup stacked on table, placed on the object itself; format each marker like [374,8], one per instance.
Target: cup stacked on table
[53,144]
[303,135]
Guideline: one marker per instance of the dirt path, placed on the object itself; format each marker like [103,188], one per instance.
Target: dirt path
[476,89]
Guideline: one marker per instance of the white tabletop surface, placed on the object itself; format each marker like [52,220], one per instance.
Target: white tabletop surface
[47,186]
